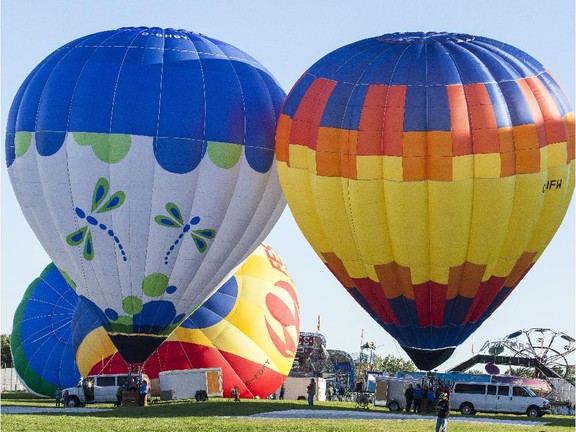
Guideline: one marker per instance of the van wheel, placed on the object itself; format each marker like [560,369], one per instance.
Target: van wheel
[467,409]
[201,396]
[394,406]
[73,402]
[533,411]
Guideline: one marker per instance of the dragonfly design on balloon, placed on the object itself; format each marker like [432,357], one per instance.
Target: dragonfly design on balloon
[101,203]
[174,219]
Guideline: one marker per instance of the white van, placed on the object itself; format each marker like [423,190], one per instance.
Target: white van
[469,398]
[98,389]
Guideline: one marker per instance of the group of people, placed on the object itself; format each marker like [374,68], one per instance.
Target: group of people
[427,399]
[61,397]
[424,398]
[133,385]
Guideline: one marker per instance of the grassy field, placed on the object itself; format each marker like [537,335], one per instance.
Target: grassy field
[226,415]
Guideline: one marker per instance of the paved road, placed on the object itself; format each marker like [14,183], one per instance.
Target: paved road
[379,415]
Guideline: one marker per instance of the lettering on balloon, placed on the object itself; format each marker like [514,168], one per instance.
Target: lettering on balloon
[286,345]
[275,261]
[163,35]
[552,184]
[258,373]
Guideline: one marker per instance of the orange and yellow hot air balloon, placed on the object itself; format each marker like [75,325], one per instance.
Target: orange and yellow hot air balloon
[429,171]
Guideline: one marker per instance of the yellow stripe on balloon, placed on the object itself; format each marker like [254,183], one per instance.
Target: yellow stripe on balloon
[523,218]
[299,192]
[370,227]
[556,201]
[96,346]
[491,209]
[457,217]
[450,212]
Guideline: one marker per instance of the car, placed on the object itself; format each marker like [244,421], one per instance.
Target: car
[98,389]
[469,398]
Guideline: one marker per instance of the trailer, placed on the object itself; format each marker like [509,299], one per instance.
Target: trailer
[389,392]
[200,384]
[296,388]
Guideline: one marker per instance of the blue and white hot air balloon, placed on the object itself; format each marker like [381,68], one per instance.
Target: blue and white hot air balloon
[143,160]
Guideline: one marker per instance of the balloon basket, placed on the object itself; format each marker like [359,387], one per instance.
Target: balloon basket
[132,399]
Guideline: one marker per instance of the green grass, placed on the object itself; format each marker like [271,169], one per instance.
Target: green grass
[227,416]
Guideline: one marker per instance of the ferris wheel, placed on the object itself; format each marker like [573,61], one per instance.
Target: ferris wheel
[552,348]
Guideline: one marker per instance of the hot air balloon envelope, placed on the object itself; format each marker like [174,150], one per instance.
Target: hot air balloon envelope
[248,328]
[143,158]
[428,171]
[41,340]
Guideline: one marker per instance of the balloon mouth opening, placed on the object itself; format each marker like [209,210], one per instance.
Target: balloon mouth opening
[425,38]
[135,349]
[428,359]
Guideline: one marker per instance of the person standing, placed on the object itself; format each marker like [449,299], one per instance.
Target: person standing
[311,390]
[430,397]
[282,390]
[409,395]
[417,398]
[58,396]
[65,398]
[443,410]
[143,393]
[341,391]
[119,391]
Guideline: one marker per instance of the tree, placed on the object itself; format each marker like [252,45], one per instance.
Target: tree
[5,351]
[392,364]
[524,372]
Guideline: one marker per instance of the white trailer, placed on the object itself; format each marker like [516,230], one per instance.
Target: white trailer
[199,384]
[390,392]
[296,387]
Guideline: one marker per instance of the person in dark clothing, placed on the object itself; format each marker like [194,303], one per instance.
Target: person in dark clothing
[409,395]
[282,390]
[58,396]
[417,398]
[430,396]
[311,390]
[443,410]
[119,391]
[143,390]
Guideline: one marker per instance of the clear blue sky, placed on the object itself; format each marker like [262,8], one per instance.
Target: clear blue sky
[287,38]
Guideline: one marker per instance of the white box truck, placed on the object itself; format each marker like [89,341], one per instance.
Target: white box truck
[389,392]
[199,384]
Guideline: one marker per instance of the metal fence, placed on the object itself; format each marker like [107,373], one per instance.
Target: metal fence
[9,380]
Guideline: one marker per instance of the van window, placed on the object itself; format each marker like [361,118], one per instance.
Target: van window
[106,381]
[470,388]
[491,390]
[122,380]
[503,390]
[519,391]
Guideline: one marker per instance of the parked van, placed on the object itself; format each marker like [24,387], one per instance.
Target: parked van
[469,398]
[98,389]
